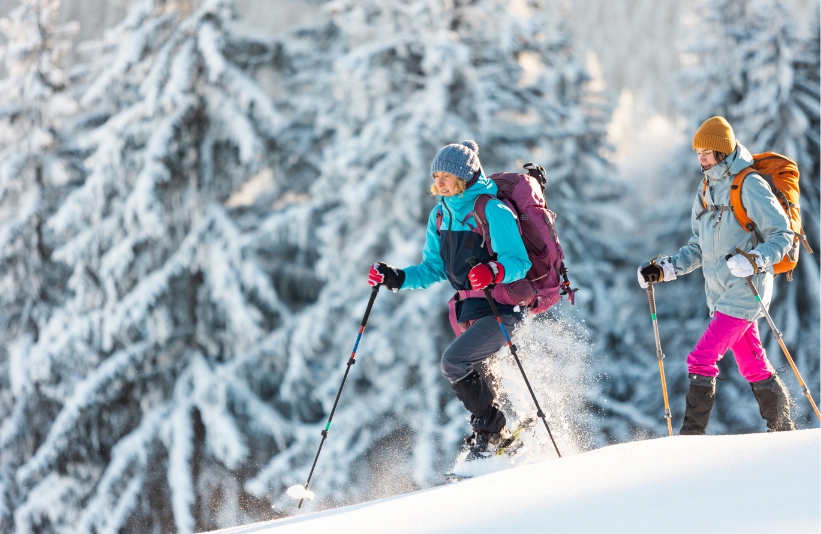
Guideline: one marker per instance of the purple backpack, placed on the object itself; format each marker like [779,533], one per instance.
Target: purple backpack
[546,281]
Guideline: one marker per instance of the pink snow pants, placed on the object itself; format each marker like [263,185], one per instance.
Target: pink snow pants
[724,333]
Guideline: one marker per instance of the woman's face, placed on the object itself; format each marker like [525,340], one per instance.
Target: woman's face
[706,158]
[445,183]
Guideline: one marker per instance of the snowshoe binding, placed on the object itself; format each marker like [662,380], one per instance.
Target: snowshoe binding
[488,444]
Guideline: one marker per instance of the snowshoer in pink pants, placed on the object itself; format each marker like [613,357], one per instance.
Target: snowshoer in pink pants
[716,236]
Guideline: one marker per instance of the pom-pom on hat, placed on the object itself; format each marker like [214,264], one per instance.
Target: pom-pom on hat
[715,134]
[460,160]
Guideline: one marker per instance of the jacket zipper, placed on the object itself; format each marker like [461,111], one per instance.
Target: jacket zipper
[450,242]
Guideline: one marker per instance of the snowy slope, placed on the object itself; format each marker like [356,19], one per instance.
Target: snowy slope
[754,483]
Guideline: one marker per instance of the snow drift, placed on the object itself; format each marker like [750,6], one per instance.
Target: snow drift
[745,483]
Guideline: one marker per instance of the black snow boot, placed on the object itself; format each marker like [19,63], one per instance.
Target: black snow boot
[479,399]
[773,403]
[699,405]
[486,444]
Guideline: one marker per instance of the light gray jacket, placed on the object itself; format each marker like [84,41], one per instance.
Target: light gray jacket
[718,233]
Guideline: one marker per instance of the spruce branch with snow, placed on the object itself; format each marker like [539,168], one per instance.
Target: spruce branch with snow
[35,169]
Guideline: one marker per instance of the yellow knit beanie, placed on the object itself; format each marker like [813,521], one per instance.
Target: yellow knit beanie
[715,134]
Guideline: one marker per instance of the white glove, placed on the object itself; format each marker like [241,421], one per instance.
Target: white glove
[642,282]
[668,272]
[741,266]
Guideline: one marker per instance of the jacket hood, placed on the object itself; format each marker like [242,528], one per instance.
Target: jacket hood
[738,160]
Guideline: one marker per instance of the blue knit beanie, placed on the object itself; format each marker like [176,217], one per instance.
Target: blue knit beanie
[460,160]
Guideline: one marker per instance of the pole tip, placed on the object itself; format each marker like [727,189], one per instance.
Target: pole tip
[300,492]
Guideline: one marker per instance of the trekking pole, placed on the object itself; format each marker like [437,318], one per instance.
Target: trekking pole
[539,412]
[651,296]
[776,332]
[351,361]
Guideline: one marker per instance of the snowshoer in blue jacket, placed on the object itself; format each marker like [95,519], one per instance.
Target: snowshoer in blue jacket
[458,179]
[717,234]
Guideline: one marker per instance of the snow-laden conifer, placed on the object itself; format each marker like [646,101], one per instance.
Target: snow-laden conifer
[34,171]
[146,378]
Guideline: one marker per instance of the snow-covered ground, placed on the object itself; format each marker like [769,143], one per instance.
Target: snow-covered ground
[754,483]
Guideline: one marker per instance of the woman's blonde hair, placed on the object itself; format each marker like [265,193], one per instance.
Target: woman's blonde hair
[461,187]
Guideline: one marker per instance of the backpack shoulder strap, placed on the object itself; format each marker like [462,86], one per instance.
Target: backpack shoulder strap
[735,200]
[704,193]
[479,206]
[480,216]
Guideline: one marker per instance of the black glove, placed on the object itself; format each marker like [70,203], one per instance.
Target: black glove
[387,275]
[651,273]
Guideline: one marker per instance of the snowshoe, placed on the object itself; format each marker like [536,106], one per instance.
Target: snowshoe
[496,452]
[484,445]
[515,443]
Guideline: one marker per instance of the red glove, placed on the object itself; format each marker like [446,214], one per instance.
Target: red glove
[387,275]
[484,274]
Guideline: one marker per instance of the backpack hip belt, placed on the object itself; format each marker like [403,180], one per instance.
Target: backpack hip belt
[463,294]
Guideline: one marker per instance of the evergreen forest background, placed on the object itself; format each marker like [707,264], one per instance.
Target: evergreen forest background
[188,210]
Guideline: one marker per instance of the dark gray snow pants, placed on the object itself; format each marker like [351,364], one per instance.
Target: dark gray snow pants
[476,344]
[461,365]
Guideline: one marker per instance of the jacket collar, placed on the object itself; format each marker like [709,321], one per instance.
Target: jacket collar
[733,164]
[462,203]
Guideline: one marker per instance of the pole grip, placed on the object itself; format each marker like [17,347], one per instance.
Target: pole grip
[374,291]
[473,262]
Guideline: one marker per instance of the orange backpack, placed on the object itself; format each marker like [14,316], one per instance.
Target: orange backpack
[782,174]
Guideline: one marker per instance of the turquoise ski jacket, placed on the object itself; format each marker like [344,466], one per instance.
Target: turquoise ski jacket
[718,233]
[447,248]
